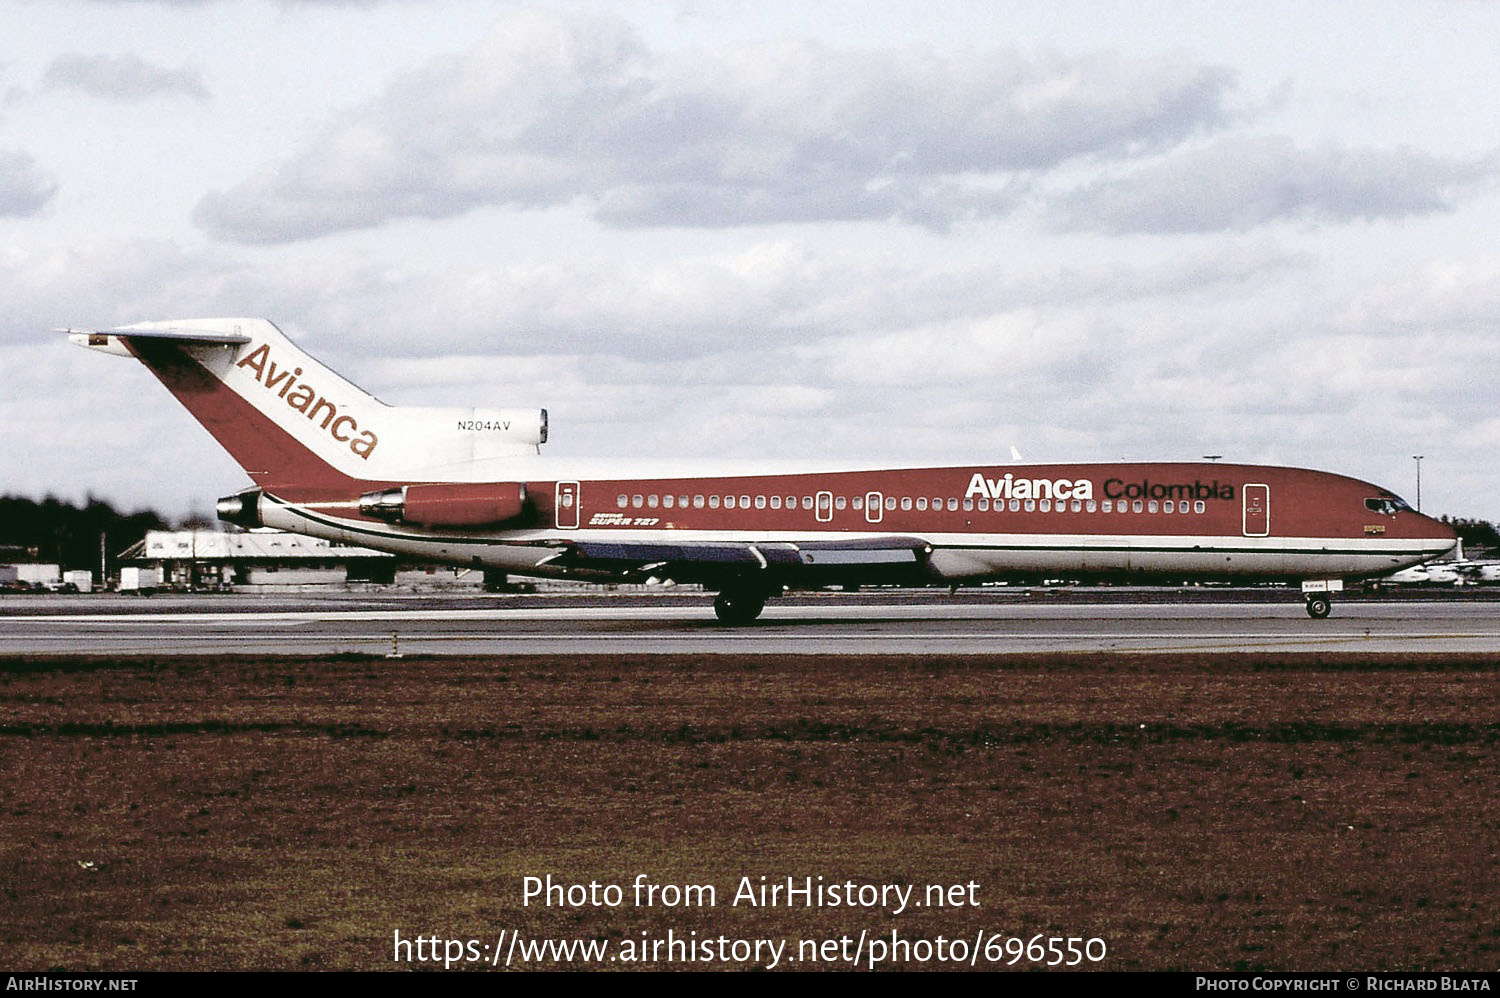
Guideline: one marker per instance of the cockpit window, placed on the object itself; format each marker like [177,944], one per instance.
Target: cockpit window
[1386,505]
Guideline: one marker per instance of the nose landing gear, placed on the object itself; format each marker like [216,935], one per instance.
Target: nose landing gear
[1319,596]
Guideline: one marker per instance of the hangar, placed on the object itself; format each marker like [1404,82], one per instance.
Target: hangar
[208,559]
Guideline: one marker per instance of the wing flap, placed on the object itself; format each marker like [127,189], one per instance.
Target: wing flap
[633,552]
[783,562]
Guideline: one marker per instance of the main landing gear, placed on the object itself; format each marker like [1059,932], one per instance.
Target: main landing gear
[739,605]
[1318,606]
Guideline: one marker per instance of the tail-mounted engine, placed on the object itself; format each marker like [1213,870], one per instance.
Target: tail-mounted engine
[480,504]
[241,509]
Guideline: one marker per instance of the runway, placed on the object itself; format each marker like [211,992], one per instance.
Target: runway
[899,624]
[246,811]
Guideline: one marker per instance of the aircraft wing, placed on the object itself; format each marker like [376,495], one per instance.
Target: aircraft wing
[863,559]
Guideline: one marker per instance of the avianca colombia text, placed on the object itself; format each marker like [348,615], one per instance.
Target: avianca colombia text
[866,950]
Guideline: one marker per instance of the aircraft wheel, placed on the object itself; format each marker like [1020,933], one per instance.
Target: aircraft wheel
[737,609]
[1319,607]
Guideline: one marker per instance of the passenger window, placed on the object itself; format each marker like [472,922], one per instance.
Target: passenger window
[922,503]
[984,505]
[668,501]
[1078,505]
[1030,505]
[713,502]
[729,502]
[1135,506]
[838,503]
[637,501]
[1092,505]
[952,505]
[1107,506]
[890,502]
[622,501]
[760,502]
[1015,505]
[807,502]
[858,502]
[1167,507]
[697,502]
[1151,506]
[776,502]
[1200,506]
[1045,505]
[653,501]
[906,502]
[744,502]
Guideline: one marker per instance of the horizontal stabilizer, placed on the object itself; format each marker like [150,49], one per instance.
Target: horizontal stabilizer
[183,334]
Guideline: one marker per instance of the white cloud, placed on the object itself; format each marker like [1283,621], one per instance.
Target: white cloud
[121,78]
[106,282]
[1239,183]
[547,109]
[1100,298]
[24,188]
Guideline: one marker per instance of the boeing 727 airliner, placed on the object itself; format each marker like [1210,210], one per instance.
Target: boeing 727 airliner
[469,487]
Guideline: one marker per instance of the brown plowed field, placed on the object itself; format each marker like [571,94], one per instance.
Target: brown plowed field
[1193,812]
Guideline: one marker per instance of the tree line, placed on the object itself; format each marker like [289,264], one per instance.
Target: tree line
[56,532]
[1474,533]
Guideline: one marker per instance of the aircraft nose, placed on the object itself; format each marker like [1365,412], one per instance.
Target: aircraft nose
[1442,535]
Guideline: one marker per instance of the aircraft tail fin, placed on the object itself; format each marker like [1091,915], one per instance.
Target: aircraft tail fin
[234,375]
[293,423]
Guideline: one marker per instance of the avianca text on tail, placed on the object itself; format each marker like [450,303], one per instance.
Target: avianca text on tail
[470,487]
[307,400]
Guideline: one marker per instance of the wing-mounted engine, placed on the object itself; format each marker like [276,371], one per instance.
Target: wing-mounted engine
[477,504]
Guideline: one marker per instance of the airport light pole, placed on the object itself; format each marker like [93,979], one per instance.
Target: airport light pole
[1418,458]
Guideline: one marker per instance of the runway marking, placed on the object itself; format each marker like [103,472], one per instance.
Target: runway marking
[798,612]
[741,637]
[802,629]
[761,632]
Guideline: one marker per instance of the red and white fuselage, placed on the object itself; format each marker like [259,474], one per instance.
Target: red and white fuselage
[468,487]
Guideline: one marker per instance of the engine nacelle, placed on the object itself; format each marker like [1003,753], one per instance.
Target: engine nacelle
[241,509]
[464,504]
[522,426]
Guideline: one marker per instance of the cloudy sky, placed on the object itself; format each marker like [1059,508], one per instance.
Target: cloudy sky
[915,233]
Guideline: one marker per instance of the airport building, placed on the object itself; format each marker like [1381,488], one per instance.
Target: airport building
[27,574]
[272,559]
